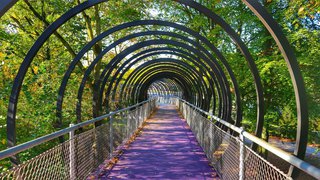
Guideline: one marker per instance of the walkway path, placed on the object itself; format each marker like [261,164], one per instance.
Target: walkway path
[166,149]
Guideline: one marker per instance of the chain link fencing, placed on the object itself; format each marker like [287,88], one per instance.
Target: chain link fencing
[228,154]
[77,157]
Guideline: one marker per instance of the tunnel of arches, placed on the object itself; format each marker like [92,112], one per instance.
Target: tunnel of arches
[166,59]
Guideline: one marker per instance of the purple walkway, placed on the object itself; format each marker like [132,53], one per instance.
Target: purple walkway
[166,149]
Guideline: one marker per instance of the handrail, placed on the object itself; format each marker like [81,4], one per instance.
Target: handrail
[293,160]
[27,145]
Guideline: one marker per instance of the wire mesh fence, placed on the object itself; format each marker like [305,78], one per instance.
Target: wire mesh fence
[165,100]
[77,157]
[230,157]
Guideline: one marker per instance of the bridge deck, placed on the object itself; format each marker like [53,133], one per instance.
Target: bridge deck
[166,149]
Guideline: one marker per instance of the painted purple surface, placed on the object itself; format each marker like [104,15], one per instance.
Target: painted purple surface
[166,149]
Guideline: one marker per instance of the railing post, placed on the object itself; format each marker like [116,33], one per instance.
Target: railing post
[137,118]
[111,135]
[140,115]
[242,155]
[71,155]
[144,112]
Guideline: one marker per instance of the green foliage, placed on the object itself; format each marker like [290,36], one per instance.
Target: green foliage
[20,27]
[287,123]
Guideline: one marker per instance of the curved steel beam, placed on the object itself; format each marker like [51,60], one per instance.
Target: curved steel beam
[188,77]
[177,63]
[173,74]
[183,83]
[182,54]
[141,89]
[137,23]
[123,68]
[214,64]
[135,47]
[296,77]
[144,69]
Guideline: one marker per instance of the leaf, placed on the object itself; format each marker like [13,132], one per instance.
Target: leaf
[300,11]
[36,69]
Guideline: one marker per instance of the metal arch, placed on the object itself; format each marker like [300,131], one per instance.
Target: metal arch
[177,87]
[137,88]
[33,51]
[181,82]
[147,22]
[106,72]
[187,76]
[163,88]
[15,92]
[97,2]
[183,55]
[141,89]
[235,37]
[124,69]
[184,82]
[172,61]
[301,102]
[179,68]
[294,70]
[165,42]
[20,69]
[171,87]
[6,5]
[132,48]
[171,92]
[169,74]
[154,89]
[214,64]
[184,94]
[149,50]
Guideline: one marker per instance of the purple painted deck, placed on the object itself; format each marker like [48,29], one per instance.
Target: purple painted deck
[166,149]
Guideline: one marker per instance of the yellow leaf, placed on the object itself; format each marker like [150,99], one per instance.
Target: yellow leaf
[300,11]
[35,69]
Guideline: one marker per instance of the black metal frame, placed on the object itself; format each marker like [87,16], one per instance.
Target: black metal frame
[173,51]
[256,8]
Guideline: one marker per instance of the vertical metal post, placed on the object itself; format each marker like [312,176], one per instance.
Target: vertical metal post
[71,155]
[140,115]
[241,158]
[111,135]
[144,112]
[136,118]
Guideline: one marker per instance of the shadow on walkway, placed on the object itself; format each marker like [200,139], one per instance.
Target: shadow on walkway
[166,149]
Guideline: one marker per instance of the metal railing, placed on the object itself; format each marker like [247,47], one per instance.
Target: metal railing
[77,157]
[84,152]
[229,155]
